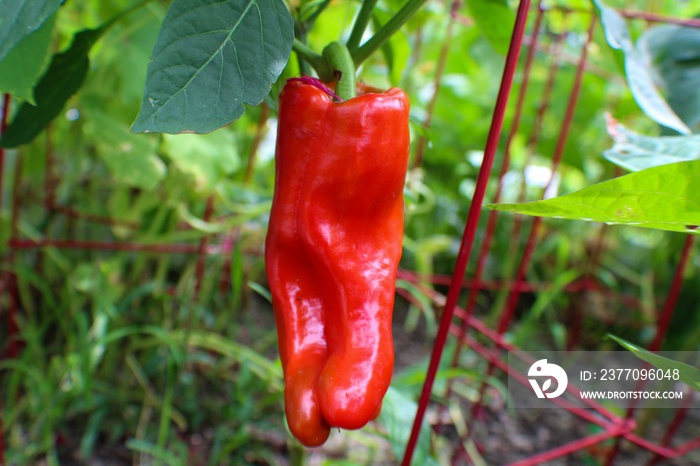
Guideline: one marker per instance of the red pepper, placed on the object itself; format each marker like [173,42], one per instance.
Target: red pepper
[332,250]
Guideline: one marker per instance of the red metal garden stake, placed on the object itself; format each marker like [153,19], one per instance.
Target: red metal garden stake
[576,445]
[514,296]
[439,72]
[493,215]
[3,276]
[172,248]
[471,224]
[534,137]
[14,345]
[476,285]
[556,159]
[3,125]
[674,425]
[662,326]
[201,252]
[673,294]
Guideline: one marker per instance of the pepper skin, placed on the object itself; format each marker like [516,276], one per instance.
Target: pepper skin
[332,250]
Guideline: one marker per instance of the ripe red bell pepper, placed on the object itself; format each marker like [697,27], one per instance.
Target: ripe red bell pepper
[332,250]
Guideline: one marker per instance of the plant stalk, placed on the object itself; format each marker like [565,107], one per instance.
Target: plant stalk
[317,62]
[384,34]
[360,25]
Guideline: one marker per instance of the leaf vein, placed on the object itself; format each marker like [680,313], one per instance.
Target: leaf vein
[208,61]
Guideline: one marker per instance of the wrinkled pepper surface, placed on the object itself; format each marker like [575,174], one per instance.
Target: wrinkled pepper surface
[332,250]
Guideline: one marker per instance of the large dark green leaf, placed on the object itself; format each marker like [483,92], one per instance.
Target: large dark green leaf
[19,18]
[638,71]
[210,58]
[664,198]
[634,151]
[63,79]
[674,53]
[24,65]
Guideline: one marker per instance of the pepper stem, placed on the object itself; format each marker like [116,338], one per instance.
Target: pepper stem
[316,61]
[342,69]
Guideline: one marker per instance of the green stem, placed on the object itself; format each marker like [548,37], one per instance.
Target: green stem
[342,68]
[304,66]
[312,18]
[316,61]
[361,22]
[384,34]
[164,426]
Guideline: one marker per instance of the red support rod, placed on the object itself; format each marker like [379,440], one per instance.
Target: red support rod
[514,296]
[577,286]
[228,243]
[115,246]
[14,344]
[437,80]
[674,425]
[657,18]
[476,284]
[651,446]
[664,322]
[471,224]
[3,277]
[687,447]
[542,458]
[202,250]
[673,294]
[556,159]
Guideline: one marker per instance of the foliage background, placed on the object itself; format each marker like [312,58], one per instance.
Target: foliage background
[129,353]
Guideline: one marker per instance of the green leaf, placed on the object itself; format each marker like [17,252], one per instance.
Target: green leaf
[635,152]
[19,18]
[689,375]
[663,197]
[63,79]
[495,20]
[26,62]
[261,290]
[207,158]
[199,224]
[258,363]
[556,288]
[674,53]
[131,159]
[638,71]
[165,456]
[398,412]
[92,431]
[210,58]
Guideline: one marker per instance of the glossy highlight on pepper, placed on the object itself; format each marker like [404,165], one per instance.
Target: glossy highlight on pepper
[332,250]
